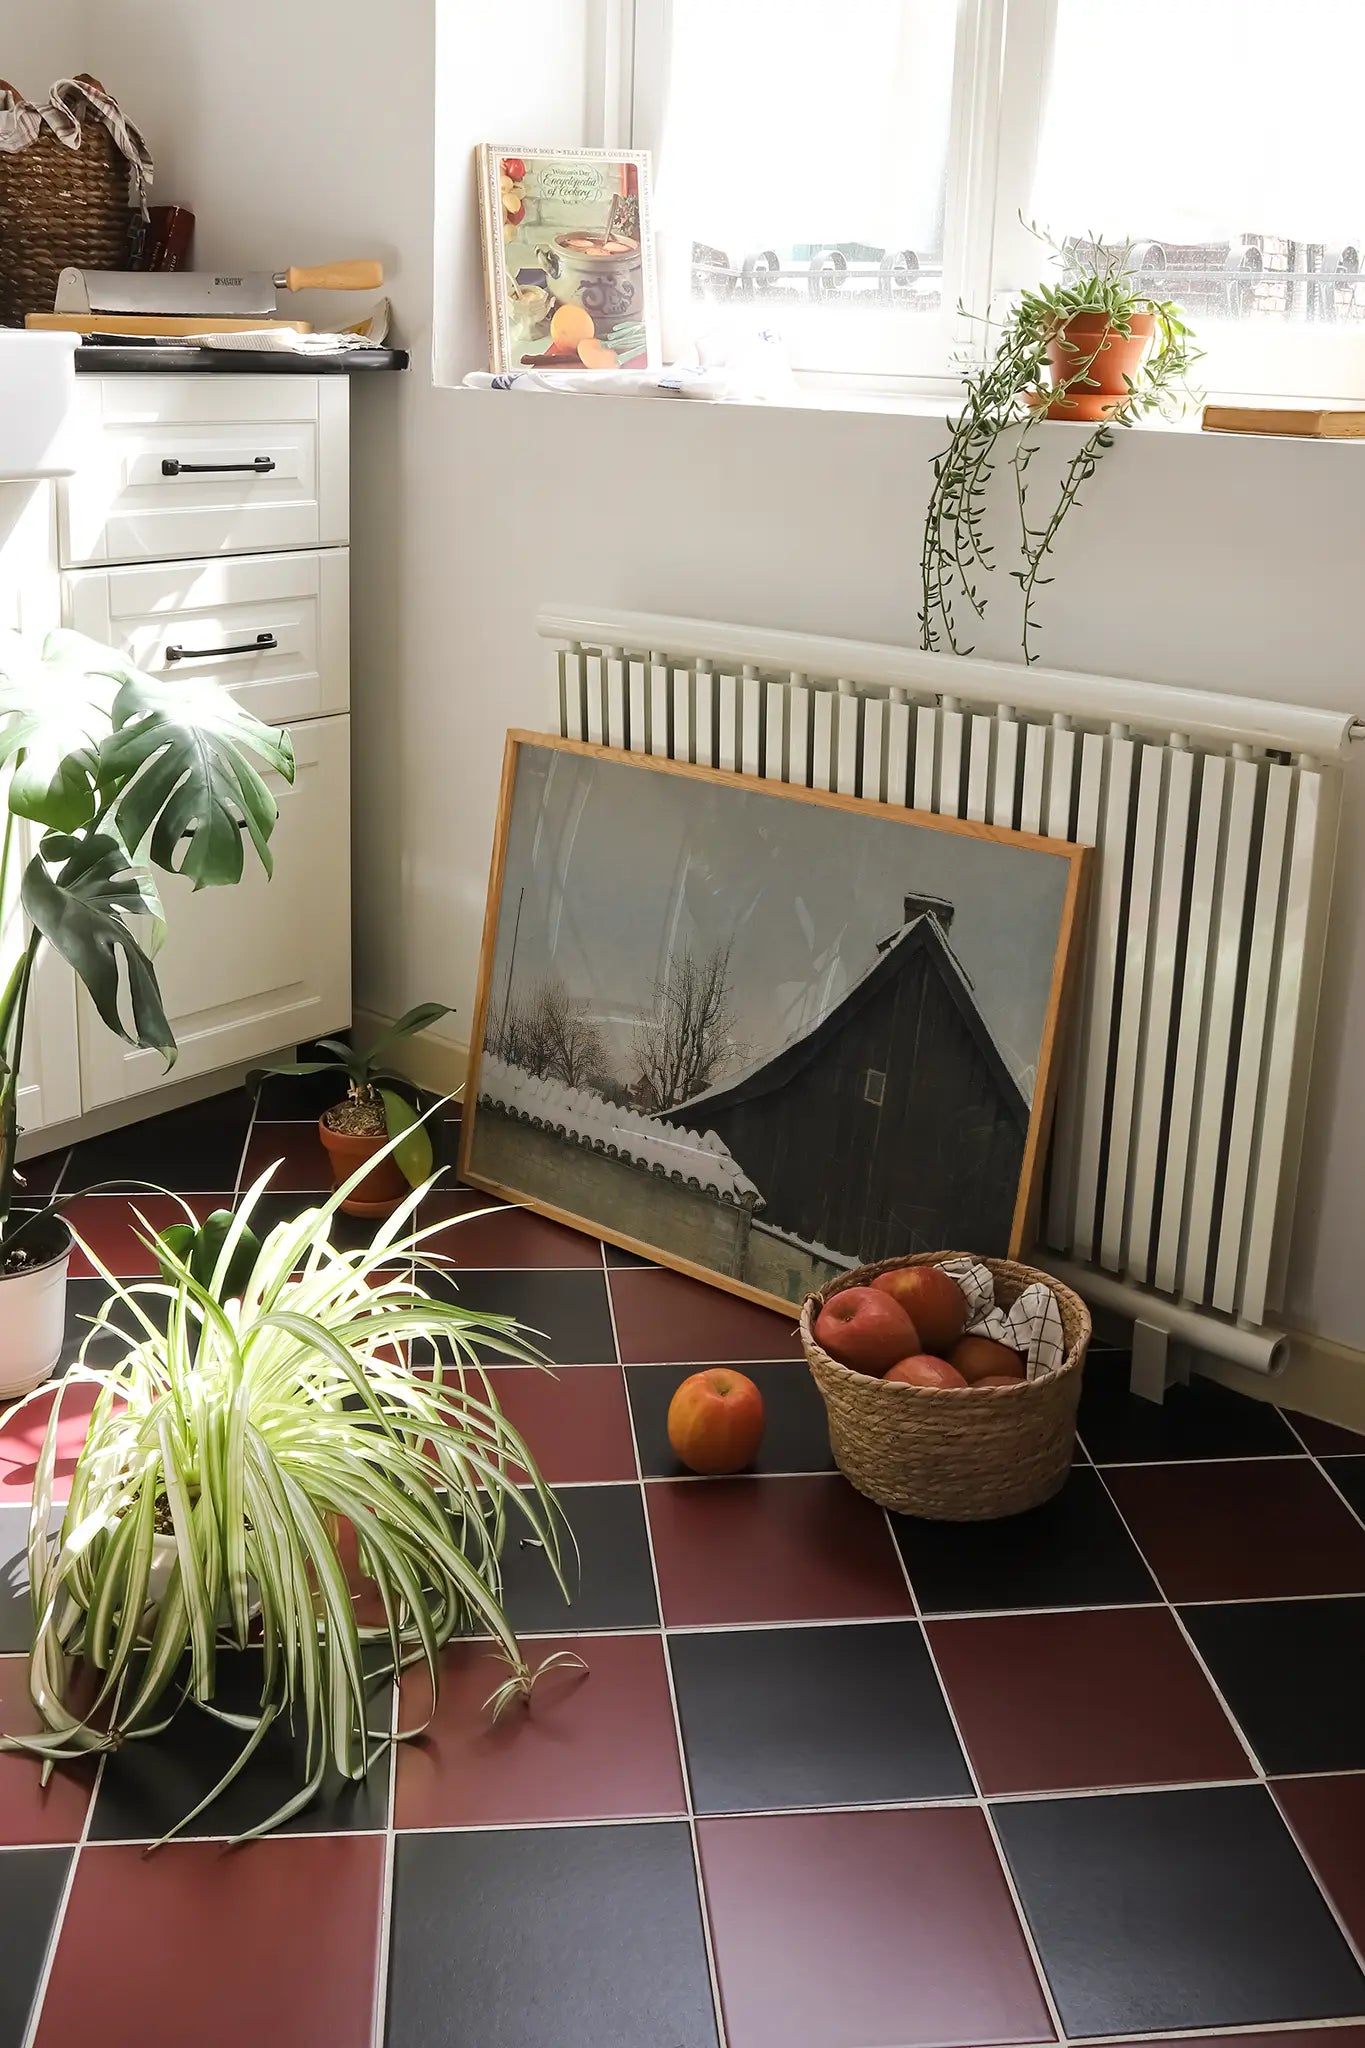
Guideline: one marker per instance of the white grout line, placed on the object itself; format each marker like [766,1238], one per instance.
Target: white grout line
[381,1972]
[703,1906]
[982,1803]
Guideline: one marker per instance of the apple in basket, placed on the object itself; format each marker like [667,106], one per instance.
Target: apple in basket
[924,1370]
[933,1301]
[981,1358]
[864,1329]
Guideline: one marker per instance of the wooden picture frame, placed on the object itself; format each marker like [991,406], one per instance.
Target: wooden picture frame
[542,1123]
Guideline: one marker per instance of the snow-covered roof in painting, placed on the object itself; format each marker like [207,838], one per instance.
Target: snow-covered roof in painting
[696,1159]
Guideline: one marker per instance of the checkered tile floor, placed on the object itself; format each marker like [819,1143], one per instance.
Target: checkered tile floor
[835,1779]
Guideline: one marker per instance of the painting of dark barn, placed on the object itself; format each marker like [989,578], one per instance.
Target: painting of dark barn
[761,1033]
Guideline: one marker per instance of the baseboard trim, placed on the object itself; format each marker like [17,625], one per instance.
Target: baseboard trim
[429,1060]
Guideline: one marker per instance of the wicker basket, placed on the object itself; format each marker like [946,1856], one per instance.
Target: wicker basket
[59,206]
[943,1454]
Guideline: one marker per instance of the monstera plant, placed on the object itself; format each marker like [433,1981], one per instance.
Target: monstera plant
[102,770]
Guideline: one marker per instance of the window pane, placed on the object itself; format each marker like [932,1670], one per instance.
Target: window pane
[1231,163]
[803,171]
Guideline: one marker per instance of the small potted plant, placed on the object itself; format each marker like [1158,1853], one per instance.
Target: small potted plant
[272,1411]
[1092,348]
[106,761]
[373,1113]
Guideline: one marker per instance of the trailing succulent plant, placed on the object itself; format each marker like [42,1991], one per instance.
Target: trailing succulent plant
[267,1405]
[1004,398]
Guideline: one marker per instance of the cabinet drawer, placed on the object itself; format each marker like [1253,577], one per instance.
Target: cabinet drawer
[272,629]
[170,467]
[264,964]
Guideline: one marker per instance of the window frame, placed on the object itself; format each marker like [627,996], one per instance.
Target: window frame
[1001,75]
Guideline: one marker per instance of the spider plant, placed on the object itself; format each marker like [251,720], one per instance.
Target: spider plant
[1004,399]
[224,1454]
[371,1085]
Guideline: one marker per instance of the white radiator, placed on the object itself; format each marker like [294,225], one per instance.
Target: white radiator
[1176,1144]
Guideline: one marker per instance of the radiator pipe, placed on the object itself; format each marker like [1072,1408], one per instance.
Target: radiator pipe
[1255,1347]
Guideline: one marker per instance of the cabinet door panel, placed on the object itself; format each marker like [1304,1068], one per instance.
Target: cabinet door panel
[248,969]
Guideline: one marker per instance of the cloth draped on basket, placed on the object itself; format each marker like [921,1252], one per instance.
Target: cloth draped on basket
[1031,1324]
[23,121]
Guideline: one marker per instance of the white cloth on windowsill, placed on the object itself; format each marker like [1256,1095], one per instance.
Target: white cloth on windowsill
[1031,1325]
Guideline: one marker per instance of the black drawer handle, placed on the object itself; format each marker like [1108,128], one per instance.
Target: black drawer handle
[260,467]
[260,645]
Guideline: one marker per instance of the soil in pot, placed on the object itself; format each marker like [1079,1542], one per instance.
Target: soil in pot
[40,1242]
[351,1133]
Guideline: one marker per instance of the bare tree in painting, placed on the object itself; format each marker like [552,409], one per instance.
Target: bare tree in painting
[688,1039]
[551,1034]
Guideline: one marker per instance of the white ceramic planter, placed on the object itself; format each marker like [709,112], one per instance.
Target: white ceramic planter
[33,1319]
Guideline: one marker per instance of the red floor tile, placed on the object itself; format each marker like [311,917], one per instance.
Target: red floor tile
[302,1169]
[594,1746]
[485,1232]
[21,1440]
[664,1318]
[1253,1530]
[277,1941]
[771,1550]
[1328,1816]
[1310,2037]
[30,1812]
[111,1229]
[1150,1716]
[845,1929]
[576,1426]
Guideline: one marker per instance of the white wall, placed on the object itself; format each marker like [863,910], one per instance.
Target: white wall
[302,131]
[43,40]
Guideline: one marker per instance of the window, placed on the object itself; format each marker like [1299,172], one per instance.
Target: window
[847,175]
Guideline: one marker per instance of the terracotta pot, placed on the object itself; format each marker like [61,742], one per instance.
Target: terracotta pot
[381,1190]
[1089,347]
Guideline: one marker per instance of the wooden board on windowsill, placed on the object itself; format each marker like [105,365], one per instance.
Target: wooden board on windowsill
[1309,422]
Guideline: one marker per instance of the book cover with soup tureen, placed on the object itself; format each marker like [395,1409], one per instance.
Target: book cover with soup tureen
[568,258]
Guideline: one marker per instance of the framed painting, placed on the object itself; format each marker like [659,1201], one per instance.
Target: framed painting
[760,1033]
[568,258]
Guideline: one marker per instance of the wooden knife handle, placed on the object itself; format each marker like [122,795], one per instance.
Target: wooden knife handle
[362,275]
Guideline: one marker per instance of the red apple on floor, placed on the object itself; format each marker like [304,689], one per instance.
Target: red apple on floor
[865,1330]
[933,1301]
[715,1421]
[924,1370]
[979,1358]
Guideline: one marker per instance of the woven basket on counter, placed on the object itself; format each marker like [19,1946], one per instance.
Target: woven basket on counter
[941,1453]
[59,205]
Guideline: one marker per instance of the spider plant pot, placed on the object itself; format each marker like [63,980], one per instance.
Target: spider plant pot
[1098,361]
[382,1189]
[33,1306]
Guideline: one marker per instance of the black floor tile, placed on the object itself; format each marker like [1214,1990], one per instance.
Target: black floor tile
[564,1314]
[289,1097]
[40,1176]
[795,1432]
[1176,1910]
[191,1151]
[616,1255]
[1293,1672]
[1072,1552]
[83,1302]
[1202,1420]
[850,1716]
[586,1937]
[610,1580]
[31,1883]
[147,1787]
[1348,1475]
[346,1233]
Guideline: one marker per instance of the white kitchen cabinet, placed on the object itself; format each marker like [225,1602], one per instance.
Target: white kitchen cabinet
[223,574]
[246,970]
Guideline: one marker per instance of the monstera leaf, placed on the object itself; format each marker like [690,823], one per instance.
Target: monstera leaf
[177,765]
[54,711]
[82,910]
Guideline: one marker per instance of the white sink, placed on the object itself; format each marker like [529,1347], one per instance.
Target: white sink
[37,384]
